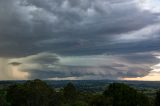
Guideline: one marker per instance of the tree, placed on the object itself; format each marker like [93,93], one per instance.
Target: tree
[16,95]
[3,100]
[123,95]
[100,100]
[31,93]
[157,100]
[57,99]
[70,93]
[80,103]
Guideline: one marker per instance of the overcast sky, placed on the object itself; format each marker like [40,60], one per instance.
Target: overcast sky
[80,39]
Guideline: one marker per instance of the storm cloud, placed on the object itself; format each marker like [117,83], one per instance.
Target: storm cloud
[55,38]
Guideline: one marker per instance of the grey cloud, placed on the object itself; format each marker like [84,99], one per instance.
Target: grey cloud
[106,72]
[71,27]
[40,33]
[141,58]
[41,58]
[39,66]
[15,63]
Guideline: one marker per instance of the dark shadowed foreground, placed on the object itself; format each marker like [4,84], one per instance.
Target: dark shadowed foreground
[38,93]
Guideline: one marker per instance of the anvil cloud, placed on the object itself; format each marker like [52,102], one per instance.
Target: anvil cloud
[78,39]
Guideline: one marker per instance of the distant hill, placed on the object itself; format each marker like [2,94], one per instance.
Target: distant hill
[93,85]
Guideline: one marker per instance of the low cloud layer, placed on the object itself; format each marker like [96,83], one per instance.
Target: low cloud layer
[48,66]
[81,39]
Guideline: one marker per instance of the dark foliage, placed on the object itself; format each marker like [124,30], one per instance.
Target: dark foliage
[32,93]
[70,93]
[100,100]
[157,100]
[123,95]
[3,101]
[38,93]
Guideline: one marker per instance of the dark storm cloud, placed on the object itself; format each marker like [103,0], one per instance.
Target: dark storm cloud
[47,65]
[141,58]
[68,27]
[40,33]
[80,71]
[15,63]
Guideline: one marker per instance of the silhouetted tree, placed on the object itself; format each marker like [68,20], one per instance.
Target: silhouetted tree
[38,93]
[157,100]
[57,99]
[3,99]
[123,95]
[100,100]
[79,103]
[31,93]
[70,93]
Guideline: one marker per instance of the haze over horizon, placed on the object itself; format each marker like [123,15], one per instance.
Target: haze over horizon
[80,39]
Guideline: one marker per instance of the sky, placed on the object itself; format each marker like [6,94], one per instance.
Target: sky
[80,39]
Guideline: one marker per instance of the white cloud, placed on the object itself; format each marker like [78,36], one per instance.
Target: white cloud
[148,33]
[150,5]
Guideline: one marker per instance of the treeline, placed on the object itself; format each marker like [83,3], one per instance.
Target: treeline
[38,93]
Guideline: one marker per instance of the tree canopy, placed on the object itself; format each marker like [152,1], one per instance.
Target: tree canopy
[38,93]
[31,93]
[157,99]
[124,95]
